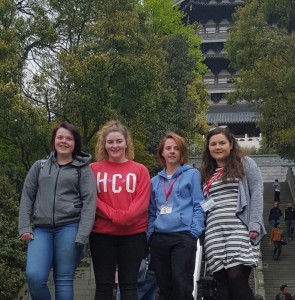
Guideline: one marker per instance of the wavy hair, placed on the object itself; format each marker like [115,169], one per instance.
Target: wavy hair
[74,131]
[233,167]
[112,126]
[180,142]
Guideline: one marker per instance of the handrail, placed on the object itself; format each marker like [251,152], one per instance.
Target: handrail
[291,181]
[198,267]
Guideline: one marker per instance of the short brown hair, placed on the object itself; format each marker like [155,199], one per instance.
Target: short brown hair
[73,130]
[180,142]
[112,126]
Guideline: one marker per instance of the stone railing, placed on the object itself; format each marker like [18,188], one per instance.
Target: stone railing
[213,36]
[249,142]
[291,181]
[259,279]
[23,293]
[223,87]
[84,272]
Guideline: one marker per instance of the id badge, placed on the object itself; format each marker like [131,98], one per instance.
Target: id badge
[207,204]
[166,209]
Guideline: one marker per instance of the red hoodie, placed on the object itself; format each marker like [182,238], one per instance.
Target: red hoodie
[123,195]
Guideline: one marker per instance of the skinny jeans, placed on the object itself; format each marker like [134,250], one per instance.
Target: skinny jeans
[53,248]
[109,252]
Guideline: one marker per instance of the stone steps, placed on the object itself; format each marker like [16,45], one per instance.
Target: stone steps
[282,271]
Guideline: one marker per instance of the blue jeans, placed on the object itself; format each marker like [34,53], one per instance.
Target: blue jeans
[275,223]
[53,248]
[290,228]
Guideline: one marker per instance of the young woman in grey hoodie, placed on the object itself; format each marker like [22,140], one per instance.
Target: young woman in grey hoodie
[56,215]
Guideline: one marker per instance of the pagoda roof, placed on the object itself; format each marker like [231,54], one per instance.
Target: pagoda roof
[232,114]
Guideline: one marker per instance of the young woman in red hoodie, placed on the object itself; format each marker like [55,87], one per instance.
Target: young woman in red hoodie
[119,232]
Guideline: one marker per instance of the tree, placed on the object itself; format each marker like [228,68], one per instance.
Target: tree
[12,250]
[261,46]
[104,64]
[183,75]
[22,126]
[90,61]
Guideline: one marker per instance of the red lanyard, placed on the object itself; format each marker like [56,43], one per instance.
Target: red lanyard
[167,194]
[209,182]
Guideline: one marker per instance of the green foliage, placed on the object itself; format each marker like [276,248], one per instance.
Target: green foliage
[12,250]
[261,46]
[167,20]
[185,113]
[87,62]
[25,128]
[143,156]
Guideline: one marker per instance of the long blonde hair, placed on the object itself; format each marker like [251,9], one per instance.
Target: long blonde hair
[112,126]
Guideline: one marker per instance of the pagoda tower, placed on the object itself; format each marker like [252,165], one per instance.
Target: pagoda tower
[215,18]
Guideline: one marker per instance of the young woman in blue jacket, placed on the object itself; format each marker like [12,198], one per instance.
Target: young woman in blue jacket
[176,219]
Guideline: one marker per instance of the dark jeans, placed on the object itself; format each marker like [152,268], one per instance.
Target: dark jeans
[110,251]
[290,228]
[233,283]
[277,249]
[173,256]
[277,196]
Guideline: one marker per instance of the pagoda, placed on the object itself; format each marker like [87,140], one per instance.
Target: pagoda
[215,18]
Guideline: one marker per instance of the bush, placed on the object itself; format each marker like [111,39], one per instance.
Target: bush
[12,250]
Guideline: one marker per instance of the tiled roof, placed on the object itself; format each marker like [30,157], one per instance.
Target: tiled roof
[237,117]
[227,114]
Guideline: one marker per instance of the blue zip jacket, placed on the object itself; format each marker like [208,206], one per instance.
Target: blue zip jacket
[185,198]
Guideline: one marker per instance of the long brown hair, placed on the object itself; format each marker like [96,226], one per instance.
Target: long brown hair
[233,167]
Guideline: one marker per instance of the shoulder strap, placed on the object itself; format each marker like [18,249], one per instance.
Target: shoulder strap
[43,161]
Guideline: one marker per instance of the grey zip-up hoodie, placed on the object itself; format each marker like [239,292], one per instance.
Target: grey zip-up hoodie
[54,196]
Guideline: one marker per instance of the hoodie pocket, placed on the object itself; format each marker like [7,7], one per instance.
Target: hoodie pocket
[78,203]
[169,223]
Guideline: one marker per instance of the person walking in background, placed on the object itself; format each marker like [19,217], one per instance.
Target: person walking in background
[276,238]
[284,293]
[233,187]
[56,214]
[176,219]
[274,215]
[289,217]
[118,237]
[277,190]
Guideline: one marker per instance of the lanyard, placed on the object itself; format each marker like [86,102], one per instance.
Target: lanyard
[167,194]
[209,182]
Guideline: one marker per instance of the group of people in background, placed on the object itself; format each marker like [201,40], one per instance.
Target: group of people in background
[113,201]
[277,236]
